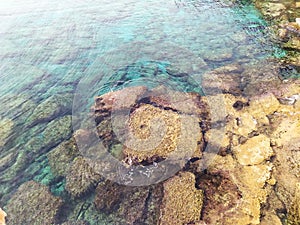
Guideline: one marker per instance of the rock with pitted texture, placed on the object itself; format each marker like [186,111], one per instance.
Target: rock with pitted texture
[255,151]
[151,125]
[186,206]
[294,210]
[61,157]
[51,108]
[81,177]
[33,204]
[133,205]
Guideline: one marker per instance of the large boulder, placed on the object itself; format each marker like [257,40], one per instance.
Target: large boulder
[51,108]
[60,157]
[132,205]
[186,206]
[33,204]
[81,177]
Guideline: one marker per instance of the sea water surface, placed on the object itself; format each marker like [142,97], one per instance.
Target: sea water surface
[48,47]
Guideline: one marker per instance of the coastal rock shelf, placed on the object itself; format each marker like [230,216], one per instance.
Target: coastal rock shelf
[148,112]
[257,164]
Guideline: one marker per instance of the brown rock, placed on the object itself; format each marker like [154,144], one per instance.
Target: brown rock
[81,177]
[108,196]
[294,210]
[33,204]
[221,197]
[119,100]
[161,133]
[186,206]
[61,157]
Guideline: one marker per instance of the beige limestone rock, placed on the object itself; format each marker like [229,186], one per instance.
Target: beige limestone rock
[2,217]
[255,151]
[244,124]
[286,137]
[254,177]
[273,10]
[270,218]
[182,202]
[263,105]
[251,181]
[289,127]
[157,133]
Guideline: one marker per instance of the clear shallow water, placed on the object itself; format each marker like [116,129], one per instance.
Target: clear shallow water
[47,48]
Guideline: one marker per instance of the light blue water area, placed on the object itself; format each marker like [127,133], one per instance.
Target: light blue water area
[48,47]
[61,39]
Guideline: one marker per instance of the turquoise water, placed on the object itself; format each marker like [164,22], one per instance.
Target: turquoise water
[49,48]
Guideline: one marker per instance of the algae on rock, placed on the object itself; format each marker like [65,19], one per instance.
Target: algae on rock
[33,204]
[186,206]
[294,210]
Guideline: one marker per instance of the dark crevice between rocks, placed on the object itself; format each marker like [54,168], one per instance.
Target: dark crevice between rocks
[239,105]
[148,101]
[275,204]
[71,205]
[141,221]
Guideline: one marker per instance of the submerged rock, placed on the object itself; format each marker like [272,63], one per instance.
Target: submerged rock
[132,205]
[33,204]
[61,157]
[225,79]
[152,125]
[81,178]
[56,132]
[75,223]
[6,126]
[51,108]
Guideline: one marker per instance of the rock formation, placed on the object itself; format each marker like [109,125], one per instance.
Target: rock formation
[33,204]
[2,217]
